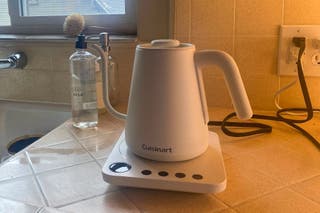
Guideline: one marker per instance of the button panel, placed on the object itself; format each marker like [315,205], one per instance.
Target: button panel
[146,172]
[121,167]
[180,175]
[163,173]
[197,177]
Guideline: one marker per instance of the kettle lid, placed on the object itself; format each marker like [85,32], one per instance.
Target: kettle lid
[165,43]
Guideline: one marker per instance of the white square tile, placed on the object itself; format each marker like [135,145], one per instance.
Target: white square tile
[23,189]
[104,126]
[17,166]
[50,210]
[244,183]
[102,161]
[282,164]
[227,211]
[111,202]
[100,146]
[14,206]
[166,201]
[105,119]
[56,136]
[309,188]
[73,184]
[280,201]
[57,156]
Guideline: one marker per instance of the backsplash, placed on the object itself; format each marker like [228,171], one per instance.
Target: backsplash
[249,31]
[46,77]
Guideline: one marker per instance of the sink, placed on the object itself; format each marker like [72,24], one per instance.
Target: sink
[23,119]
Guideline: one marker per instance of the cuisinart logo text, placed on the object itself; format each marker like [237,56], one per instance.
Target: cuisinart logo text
[156,148]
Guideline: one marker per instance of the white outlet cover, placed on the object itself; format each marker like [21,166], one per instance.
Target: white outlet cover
[288,53]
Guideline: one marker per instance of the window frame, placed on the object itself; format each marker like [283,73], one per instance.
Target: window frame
[44,25]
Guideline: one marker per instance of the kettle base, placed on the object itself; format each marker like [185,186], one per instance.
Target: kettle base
[204,174]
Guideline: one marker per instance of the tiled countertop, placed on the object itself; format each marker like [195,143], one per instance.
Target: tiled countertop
[278,172]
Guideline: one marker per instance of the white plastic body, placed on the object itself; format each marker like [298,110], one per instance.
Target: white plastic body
[167,112]
[209,165]
[288,52]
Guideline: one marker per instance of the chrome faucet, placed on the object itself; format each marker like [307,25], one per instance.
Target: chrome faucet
[104,40]
[16,60]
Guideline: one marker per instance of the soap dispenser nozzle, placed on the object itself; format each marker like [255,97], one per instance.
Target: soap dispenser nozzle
[104,41]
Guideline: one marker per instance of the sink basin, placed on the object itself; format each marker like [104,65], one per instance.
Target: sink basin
[21,119]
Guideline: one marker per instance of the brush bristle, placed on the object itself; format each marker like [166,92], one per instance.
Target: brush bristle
[73,24]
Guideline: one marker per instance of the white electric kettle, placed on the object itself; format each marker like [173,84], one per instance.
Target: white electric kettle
[167,112]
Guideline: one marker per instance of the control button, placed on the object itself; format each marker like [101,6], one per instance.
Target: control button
[180,175]
[146,172]
[197,176]
[163,173]
[120,167]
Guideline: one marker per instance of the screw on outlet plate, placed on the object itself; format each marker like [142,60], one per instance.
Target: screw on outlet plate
[316,58]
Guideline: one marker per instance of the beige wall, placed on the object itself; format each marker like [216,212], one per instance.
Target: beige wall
[46,78]
[248,30]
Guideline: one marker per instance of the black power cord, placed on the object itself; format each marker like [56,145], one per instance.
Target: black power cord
[264,128]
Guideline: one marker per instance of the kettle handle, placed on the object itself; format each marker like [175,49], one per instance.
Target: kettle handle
[233,80]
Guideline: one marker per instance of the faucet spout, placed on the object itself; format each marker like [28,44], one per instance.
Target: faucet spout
[16,60]
[6,63]
[104,40]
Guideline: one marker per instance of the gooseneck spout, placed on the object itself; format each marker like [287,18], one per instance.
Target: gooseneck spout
[103,51]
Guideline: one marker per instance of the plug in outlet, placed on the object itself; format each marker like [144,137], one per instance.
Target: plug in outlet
[288,52]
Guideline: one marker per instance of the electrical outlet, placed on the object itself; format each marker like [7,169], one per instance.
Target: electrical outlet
[288,52]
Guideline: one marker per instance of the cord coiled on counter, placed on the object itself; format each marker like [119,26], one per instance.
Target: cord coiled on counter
[264,128]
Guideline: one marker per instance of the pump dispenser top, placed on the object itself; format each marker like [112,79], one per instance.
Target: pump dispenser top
[81,42]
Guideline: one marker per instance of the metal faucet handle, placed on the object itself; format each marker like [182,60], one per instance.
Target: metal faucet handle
[16,60]
[19,59]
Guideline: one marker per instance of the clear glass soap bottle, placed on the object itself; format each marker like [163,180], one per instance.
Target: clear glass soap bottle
[83,86]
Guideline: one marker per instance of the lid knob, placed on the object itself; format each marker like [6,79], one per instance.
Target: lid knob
[165,43]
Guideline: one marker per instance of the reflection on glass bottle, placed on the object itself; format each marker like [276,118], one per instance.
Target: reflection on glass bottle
[113,84]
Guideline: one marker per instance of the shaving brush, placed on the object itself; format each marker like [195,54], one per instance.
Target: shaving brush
[73,25]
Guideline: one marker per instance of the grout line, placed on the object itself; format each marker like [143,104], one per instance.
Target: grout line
[15,178]
[282,11]
[308,198]
[249,200]
[19,201]
[46,202]
[83,147]
[49,145]
[128,198]
[288,187]
[302,180]
[190,21]
[66,167]
[173,9]
[234,29]
[85,199]
[222,201]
